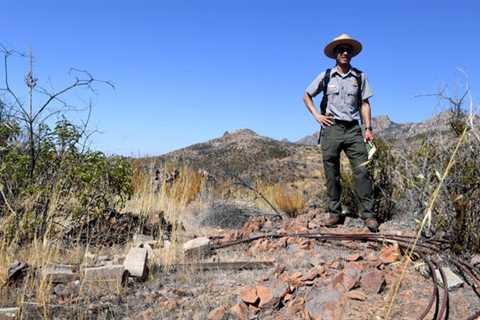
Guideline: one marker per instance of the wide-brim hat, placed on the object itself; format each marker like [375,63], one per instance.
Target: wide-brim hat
[342,39]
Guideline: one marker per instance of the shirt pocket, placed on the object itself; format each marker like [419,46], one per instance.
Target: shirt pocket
[333,92]
[351,93]
[332,89]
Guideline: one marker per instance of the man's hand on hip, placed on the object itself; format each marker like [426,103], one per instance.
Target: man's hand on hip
[324,120]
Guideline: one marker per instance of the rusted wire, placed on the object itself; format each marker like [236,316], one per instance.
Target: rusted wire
[435,296]
[444,305]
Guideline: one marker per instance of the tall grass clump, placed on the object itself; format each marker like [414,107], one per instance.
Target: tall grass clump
[162,192]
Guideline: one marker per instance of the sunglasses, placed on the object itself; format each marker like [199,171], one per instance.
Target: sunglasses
[342,49]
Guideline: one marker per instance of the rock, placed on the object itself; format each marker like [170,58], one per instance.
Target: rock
[8,313]
[217,314]
[136,263]
[354,257]
[314,273]
[390,254]
[148,314]
[453,281]
[59,273]
[324,304]
[60,290]
[356,295]
[348,279]
[373,282]
[106,277]
[16,270]
[279,290]
[294,307]
[475,261]
[197,247]
[249,295]
[265,294]
[423,269]
[240,311]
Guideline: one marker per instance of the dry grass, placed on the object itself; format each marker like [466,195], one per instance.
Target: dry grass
[286,198]
[169,197]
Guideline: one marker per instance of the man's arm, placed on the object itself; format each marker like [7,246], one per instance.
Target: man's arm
[366,111]
[323,120]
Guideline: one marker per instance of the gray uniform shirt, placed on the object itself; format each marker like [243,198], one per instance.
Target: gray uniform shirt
[342,91]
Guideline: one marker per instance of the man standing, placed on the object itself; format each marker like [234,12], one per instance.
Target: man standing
[346,92]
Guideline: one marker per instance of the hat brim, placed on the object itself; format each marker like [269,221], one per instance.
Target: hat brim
[330,48]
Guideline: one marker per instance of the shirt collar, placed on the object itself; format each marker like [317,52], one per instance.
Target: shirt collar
[334,71]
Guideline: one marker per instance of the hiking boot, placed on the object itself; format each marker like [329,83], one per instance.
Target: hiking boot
[332,220]
[372,224]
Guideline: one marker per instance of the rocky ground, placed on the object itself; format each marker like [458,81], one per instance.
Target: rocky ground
[287,278]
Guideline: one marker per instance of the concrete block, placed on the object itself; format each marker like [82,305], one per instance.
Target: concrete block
[136,262]
[139,238]
[113,275]
[197,247]
[59,273]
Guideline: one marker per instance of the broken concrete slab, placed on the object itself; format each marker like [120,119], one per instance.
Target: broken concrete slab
[115,275]
[197,247]
[146,246]
[142,238]
[136,263]
[453,281]
[59,273]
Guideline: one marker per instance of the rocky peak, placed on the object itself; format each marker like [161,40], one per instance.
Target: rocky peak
[381,122]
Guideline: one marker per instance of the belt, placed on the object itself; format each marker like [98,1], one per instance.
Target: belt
[345,123]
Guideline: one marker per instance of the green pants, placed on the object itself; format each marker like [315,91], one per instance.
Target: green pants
[347,137]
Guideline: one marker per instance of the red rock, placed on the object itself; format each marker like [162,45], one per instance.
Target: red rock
[390,254]
[279,270]
[356,295]
[313,273]
[349,279]
[294,307]
[170,304]
[306,245]
[265,294]
[287,297]
[373,282]
[240,311]
[216,314]
[324,304]
[356,265]
[249,295]
[354,257]
[146,315]
[335,264]
[295,280]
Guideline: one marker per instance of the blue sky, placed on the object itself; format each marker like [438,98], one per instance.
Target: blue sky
[187,71]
